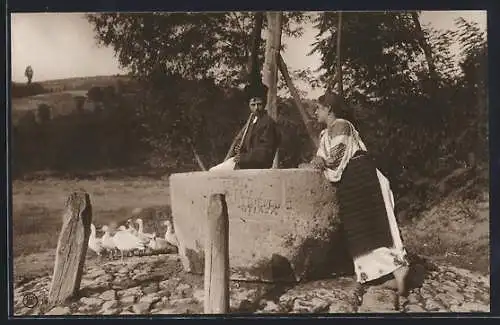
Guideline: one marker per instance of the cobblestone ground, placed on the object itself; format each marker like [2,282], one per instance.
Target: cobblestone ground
[157,285]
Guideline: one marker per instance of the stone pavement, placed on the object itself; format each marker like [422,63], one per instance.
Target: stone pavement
[157,285]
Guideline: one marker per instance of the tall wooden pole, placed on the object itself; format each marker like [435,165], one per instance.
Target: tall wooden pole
[339,58]
[270,70]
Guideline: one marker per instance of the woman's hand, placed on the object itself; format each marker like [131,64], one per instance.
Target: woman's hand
[318,163]
[330,162]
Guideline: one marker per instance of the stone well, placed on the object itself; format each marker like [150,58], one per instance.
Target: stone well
[283,223]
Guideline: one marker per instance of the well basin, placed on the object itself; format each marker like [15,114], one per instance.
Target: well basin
[283,223]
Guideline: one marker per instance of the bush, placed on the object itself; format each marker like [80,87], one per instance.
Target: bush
[80,141]
[24,90]
[44,113]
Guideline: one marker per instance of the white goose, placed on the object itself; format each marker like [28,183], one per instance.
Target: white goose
[157,243]
[170,236]
[95,243]
[140,233]
[107,241]
[130,227]
[126,242]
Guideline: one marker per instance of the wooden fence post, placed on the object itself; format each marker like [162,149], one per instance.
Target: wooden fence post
[217,257]
[71,248]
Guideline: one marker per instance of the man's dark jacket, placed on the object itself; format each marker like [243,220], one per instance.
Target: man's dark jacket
[260,145]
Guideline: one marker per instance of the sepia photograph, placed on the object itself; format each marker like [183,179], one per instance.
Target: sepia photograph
[249,163]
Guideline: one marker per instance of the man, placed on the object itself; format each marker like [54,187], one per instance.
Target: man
[257,142]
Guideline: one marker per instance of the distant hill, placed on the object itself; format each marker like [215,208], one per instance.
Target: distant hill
[61,103]
[60,94]
[83,83]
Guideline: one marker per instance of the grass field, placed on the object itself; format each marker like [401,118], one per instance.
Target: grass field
[455,230]
[37,208]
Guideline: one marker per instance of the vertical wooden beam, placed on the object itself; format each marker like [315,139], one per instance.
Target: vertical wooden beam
[197,156]
[270,70]
[71,248]
[217,257]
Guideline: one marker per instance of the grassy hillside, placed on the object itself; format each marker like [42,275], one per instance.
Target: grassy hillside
[82,83]
[59,94]
[455,225]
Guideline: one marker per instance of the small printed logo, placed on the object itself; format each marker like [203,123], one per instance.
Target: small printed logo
[30,300]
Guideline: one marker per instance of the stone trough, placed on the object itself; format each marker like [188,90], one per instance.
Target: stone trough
[283,223]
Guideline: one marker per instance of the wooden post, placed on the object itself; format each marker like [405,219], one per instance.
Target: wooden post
[270,75]
[217,257]
[295,94]
[197,156]
[71,248]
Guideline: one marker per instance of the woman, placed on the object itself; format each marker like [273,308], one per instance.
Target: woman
[366,202]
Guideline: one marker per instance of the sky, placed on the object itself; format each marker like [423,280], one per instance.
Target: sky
[62,45]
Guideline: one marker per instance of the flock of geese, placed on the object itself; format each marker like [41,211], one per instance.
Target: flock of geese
[127,239]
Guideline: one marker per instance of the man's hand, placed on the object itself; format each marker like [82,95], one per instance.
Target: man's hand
[237,149]
[237,158]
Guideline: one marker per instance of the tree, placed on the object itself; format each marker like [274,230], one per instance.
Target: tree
[474,116]
[193,45]
[376,49]
[425,47]
[179,58]
[95,94]
[28,73]
[79,103]
[402,82]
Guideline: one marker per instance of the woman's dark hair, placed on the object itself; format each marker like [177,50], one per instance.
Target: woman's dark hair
[337,105]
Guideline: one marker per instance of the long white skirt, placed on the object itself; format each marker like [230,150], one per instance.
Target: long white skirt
[383,260]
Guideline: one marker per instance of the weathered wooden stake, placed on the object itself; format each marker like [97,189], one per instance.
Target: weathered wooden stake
[217,257]
[71,248]
[270,75]
[197,157]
